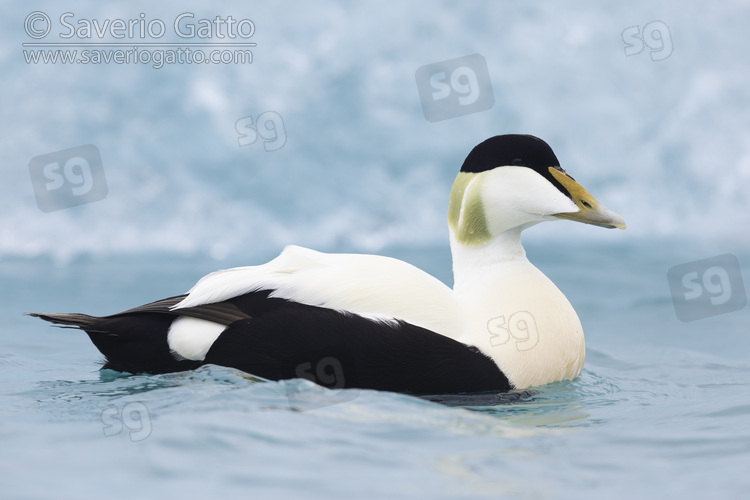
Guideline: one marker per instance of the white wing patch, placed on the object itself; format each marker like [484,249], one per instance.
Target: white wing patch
[191,338]
[369,285]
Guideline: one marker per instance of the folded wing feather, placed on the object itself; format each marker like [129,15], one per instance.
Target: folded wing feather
[369,285]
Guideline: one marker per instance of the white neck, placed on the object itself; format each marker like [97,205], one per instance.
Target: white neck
[471,262]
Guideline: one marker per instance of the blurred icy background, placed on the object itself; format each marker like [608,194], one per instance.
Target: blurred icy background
[664,143]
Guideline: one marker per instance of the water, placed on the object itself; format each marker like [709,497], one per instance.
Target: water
[660,409]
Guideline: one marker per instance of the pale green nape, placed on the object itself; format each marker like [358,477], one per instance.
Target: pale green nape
[473,228]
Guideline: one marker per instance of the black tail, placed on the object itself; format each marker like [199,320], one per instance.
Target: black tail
[134,341]
[74,320]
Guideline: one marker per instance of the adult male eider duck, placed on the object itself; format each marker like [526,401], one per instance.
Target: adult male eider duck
[373,322]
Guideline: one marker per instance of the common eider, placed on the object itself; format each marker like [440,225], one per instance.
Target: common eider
[381,323]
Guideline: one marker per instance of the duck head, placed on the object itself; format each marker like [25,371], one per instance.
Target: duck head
[513,182]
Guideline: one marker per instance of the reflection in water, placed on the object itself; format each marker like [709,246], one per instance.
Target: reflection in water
[560,404]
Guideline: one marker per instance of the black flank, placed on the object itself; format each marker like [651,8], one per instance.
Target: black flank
[278,339]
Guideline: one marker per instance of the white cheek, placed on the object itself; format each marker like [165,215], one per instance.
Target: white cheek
[513,196]
[556,203]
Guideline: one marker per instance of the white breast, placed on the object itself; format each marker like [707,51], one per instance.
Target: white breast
[519,318]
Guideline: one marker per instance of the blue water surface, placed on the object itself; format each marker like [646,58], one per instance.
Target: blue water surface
[660,409]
